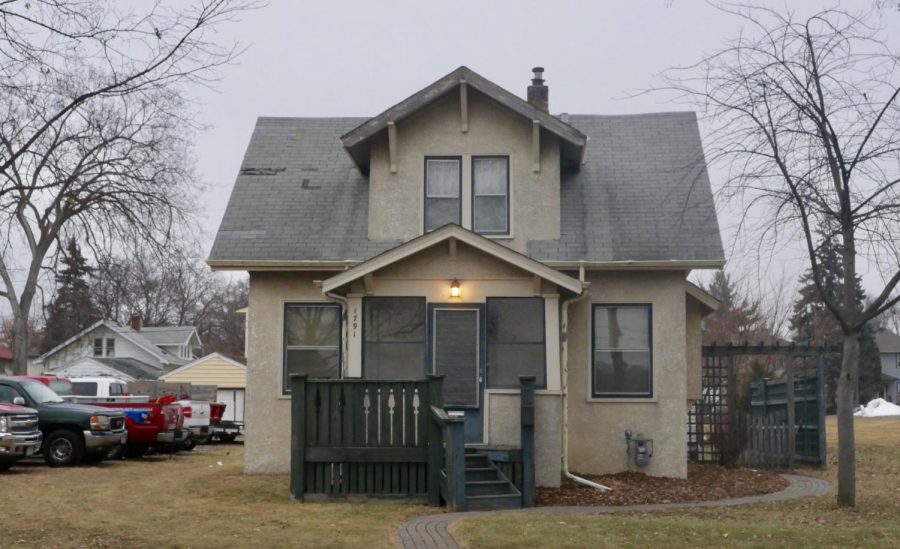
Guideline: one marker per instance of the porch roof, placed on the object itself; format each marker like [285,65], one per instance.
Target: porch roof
[460,234]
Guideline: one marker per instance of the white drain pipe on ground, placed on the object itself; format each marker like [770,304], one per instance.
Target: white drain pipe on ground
[564,359]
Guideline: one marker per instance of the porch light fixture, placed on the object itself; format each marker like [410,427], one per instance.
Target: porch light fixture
[454,288]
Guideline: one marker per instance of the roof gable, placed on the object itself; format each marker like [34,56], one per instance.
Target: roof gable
[202,360]
[356,141]
[442,234]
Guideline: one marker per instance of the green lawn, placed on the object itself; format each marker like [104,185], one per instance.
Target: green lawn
[875,522]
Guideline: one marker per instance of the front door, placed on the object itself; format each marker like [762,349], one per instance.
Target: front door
[457,351]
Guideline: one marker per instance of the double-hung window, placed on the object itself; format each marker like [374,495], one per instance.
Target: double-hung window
[110,346]
[490,195]
[622,351]
[443,191]
[98,346]
[312,340]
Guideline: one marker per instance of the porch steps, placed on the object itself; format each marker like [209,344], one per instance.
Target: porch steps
[486,486]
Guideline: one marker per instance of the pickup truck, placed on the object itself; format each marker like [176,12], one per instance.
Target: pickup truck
[157,424]
[196,420]
[224,430]
[19,433]
[72,433]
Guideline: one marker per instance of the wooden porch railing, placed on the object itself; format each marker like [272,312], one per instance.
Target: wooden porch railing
[390,438]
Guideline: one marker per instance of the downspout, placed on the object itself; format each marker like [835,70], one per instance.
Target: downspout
[564,359]
[345,320]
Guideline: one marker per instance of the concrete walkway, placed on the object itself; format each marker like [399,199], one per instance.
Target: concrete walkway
[430,531]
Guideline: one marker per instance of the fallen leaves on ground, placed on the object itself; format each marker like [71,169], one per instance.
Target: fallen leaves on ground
[704,483]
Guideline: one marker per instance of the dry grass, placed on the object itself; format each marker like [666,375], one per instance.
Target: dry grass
[814,523]
[188,501]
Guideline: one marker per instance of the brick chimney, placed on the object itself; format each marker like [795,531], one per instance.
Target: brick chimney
[538,93]
[136,322]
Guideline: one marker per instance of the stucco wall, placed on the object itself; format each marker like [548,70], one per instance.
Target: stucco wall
[504,430]
[396,199]
[267,412]
[596,427]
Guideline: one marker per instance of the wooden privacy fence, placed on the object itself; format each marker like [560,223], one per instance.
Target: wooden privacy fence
[782,421]
[353,436]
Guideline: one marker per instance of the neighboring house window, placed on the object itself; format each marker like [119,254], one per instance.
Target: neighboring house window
[98,346]
[622,356]
[443,191]
[110,347]
[490,194]
[515,341]
[312,340]
[394,337]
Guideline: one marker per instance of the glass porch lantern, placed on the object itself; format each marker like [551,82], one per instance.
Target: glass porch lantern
[454,288]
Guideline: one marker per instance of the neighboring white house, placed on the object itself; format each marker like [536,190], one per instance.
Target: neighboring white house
[889,347]
[132,352]
[230,376]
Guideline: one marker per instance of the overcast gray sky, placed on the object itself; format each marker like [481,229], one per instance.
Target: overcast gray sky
[358,58]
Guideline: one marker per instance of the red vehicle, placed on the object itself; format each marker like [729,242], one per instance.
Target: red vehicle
[149,424]
[226,431]
[19,433]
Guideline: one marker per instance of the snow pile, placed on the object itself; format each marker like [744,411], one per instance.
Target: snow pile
[878,408]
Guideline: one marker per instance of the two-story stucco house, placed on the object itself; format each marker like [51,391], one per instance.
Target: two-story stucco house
[468,232]
[126,352]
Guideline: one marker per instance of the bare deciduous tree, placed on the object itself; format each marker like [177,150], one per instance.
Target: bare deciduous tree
[805,112]
[95,122]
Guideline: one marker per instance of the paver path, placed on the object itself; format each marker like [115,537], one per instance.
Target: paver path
[430,531]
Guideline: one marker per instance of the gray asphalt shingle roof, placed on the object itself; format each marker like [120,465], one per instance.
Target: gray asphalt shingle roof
[167,335]
[132,367]
[643,195]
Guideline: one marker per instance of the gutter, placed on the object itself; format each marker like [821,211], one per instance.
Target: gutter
[565,387]
[345,309]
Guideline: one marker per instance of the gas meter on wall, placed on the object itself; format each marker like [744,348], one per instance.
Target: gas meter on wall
[640,447]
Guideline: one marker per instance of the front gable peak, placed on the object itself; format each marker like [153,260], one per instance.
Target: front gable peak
[357,141]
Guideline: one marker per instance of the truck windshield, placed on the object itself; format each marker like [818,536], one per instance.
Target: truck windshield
[40,392]
[84,388]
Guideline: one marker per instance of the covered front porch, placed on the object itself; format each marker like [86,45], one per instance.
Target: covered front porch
[450,306]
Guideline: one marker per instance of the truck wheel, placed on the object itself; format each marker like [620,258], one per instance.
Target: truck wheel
[227,437]
[5,465]
[63,448]
[189,444]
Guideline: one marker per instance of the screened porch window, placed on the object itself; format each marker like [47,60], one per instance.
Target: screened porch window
[622,356]
[394,338]
[312,340]
[443,191]
[515,341]
[490,194]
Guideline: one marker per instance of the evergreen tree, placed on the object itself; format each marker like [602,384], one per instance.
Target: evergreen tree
[812,322]
[72,309]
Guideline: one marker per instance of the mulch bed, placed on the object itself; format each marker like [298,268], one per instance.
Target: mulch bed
[704,483]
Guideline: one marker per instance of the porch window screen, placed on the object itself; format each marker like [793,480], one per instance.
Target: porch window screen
[394,338]
[490,194]
[312,340]
[622,356]
[443,189]
[515,341]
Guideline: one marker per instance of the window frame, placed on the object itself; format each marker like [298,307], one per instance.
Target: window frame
[508,230]
[487,301]
[285,379]
[459,160]
[109,346]
[362,332]
[95,347]
[650,394]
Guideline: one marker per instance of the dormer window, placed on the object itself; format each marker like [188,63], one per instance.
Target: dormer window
[470,191]
[443,192]
[490,194]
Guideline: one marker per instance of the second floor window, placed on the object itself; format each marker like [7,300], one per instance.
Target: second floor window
[98,346]
[110,347]
[490,194]
[443,192]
